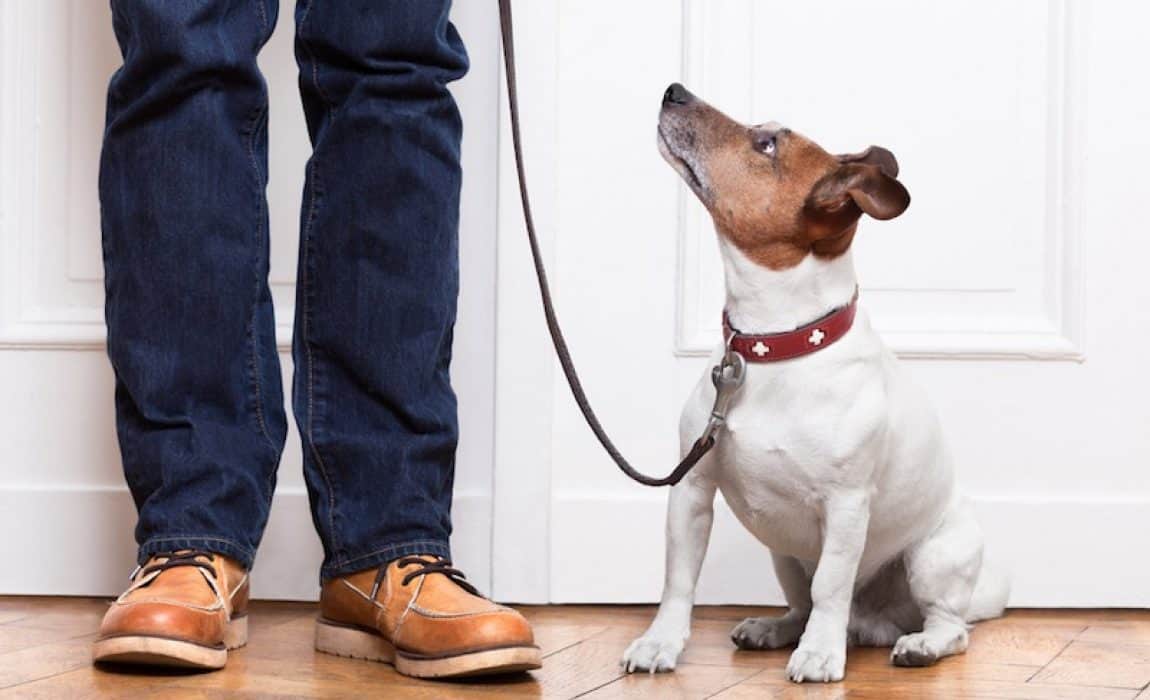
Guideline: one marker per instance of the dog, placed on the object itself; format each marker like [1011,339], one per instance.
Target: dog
[833,458]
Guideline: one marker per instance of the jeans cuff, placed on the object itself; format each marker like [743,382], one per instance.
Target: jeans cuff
[384,554]
[205,543]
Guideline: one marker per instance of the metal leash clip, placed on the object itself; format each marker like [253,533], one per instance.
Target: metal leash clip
[727,376]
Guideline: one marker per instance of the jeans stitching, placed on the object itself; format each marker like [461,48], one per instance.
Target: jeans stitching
[383,555]
[306,282]
[263,12]
[253,130]
[390,548]
[199,538]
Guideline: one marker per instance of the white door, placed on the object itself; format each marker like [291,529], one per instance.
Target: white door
[64,510]
[1014,288]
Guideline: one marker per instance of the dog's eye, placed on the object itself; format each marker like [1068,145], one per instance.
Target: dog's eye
[766,144]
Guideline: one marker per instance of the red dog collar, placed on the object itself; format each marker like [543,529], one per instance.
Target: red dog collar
[772,347]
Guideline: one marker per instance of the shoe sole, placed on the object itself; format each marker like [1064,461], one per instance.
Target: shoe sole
[171,653]
[351,642]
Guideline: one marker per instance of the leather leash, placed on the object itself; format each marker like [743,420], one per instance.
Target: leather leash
[727,375]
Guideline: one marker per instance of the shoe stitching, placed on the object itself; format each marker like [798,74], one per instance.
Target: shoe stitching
[388,593]
[214,607]
[446,616]
[239,586]
[407,610]
[214,585]
[360,593]
[231,601]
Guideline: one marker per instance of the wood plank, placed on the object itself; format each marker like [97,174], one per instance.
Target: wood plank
[11,615]
[873,666]
[1024,641]
[45,648]
[552,637]
[36,662]
[79,615]
[1098,664]
[17,638]
[688,681]
[1118,632]
[761,686]
[573,671]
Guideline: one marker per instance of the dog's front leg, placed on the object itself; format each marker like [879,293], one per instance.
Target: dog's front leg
[690,512]
[821,654]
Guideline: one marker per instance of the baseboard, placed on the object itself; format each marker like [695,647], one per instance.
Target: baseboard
[1087,553]
[83,543]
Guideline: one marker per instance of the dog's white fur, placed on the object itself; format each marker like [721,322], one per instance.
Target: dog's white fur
[836,462]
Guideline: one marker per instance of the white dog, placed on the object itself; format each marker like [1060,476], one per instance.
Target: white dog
[832,458]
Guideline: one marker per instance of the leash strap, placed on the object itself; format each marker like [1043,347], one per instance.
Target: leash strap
[727,377]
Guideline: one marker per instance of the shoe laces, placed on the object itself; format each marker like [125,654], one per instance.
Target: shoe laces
[173,560]
[439,565]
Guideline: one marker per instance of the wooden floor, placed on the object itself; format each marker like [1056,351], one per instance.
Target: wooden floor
[1089,655]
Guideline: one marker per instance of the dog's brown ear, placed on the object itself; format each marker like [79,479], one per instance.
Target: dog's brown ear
[874,155]
[867,186]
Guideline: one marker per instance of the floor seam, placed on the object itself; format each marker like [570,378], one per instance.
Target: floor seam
[1060,652]
[741,681]
[616,679]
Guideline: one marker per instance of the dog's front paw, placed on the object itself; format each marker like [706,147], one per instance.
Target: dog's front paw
[653,654]
[767,632]
[818,665]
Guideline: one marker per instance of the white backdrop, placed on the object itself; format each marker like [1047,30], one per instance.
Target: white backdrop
[1014,286]
[64,511]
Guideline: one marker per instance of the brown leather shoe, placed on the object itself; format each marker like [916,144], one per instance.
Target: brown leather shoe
[420,615]
[184,609]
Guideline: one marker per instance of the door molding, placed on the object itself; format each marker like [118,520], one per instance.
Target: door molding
[524,374]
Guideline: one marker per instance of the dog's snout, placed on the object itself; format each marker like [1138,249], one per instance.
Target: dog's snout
[676,94]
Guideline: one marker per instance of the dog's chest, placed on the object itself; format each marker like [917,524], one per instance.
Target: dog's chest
[789,443]
[774,484]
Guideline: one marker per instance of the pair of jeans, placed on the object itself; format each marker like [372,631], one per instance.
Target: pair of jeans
[191,335]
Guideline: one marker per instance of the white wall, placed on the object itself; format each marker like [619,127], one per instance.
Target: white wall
[1013,287]
[64,510]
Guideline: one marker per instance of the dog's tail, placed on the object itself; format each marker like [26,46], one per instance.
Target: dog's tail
[990,595]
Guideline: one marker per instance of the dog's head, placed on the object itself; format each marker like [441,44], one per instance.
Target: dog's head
[772,192]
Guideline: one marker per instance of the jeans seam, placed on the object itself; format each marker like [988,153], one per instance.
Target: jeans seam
[311,54]
[253,130]
[304,331]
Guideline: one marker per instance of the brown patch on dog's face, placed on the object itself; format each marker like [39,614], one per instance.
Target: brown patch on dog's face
[775,194]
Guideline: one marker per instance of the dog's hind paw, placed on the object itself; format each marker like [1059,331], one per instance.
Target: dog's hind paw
[652,654]
[917,649]
[767,632]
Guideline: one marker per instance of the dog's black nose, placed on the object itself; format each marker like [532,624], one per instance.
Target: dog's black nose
[676,95]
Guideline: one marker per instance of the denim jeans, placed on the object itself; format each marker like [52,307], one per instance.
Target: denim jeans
[191,335]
